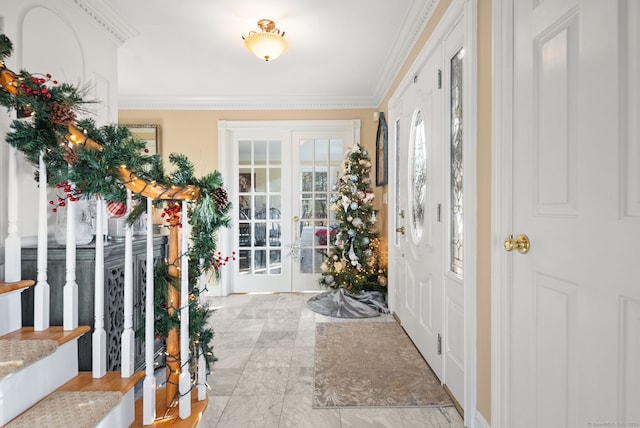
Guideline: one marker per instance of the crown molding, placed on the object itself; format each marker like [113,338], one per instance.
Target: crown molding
[243,103]
[420,12]
[107,18]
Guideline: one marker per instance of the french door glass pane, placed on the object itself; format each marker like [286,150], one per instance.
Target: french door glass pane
[457,226]
[259,207]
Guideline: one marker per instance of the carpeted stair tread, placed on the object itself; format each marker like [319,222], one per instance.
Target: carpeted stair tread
[111,381]
[65,409]
[52,333]
[17,354]
[8,287]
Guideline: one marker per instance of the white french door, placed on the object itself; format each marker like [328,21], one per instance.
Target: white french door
[568,311]
[280,177]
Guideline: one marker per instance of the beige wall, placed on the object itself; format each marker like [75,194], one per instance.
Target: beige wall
[195,134]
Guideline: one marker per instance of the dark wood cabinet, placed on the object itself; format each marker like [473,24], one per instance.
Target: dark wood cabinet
[113,294]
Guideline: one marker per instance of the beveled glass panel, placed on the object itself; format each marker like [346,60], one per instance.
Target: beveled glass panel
[306,260]
[244,261]
[260,206]
[321,181]
[322,151]
[306,206]
[260,234]
[275,204]
[259,152]
[260,175]
[336,151]
[275,264]
[275,152]
[306,152]
[321,207]
[457,191]
[244,152]
[306,181]
[274,232]
[260,262]
[275,180]
[418,171]
[244,234]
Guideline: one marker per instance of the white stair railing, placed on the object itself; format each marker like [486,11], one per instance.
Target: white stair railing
[184,380]
[70,289]
[202,362]
[42,293]
[12,243]
[128,335]
[99,338]
[149,384]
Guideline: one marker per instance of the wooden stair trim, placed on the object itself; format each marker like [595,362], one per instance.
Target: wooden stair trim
[52,333]
[173,417]
[111,381]
[8,287]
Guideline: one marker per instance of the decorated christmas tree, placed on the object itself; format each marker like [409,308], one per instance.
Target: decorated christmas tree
[353,258]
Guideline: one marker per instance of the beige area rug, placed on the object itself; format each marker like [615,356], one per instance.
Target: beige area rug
[372,364]
[17,354]
[68,409]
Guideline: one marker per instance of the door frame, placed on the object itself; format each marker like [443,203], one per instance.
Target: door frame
[501,206]
[465,10]
[222,285]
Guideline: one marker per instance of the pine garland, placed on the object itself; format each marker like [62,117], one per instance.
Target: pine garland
[82,171]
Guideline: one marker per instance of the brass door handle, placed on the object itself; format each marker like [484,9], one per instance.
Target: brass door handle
[400,229]
[521,243]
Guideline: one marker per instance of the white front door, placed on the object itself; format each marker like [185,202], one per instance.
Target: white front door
[416,129]
[280,177]
[569,342]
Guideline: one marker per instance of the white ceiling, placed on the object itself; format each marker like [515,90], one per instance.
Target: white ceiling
[190,53]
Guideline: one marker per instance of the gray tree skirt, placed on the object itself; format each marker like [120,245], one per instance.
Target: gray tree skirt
[342,304]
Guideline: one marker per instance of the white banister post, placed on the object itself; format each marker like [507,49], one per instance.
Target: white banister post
[149,384]
[128,335]
[70,289]
[184,381]
[99,338]
[202,362]
[42,290]
[12,243]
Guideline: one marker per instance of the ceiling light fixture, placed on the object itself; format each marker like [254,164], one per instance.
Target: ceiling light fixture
[269,43]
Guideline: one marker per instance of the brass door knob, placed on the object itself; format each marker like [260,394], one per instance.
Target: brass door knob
[521,243]
[400,229]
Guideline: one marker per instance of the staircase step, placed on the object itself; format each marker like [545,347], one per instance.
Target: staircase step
[22,388]
[171,417]
[56,333]
[112,394]
[8,287]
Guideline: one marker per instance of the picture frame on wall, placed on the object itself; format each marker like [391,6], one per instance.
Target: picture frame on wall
[148,133]
[382,151]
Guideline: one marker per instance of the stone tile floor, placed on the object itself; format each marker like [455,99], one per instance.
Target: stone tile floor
[264,373]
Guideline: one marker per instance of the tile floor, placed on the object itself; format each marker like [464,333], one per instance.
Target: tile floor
[264,373]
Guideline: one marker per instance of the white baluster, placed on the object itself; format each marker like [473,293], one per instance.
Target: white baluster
[99,338]
[70,289]
[42,290]
[128,335]
[202,362]
[184,382]
[149,384]
[12,244]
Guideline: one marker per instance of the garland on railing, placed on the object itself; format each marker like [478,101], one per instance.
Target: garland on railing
[94,169]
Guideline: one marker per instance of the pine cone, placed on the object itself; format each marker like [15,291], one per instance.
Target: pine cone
[36,175]
[61,114]
[221,198]
[70,156]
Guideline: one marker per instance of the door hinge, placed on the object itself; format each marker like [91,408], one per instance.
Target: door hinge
[439,213]
[439,344]
[439,79]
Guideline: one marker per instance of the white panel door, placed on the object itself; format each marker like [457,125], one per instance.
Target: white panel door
[574,318]
[416,130]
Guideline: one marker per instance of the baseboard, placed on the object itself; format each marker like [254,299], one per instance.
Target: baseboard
[480,421]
